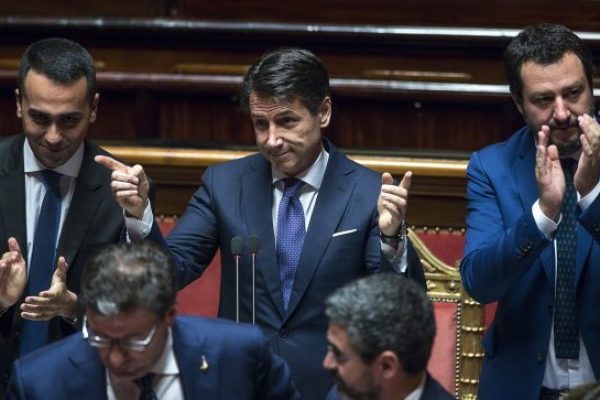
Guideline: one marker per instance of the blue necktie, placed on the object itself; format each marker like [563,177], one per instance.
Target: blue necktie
[290,236]
[566,331]
[145,383]
[43,258]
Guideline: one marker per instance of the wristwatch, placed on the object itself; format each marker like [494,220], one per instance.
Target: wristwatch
[394,240]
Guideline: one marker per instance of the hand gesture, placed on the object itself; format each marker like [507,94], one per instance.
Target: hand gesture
[586,176]
[13,275]
[56,301]
[549,176]
[129,185]
[392,203]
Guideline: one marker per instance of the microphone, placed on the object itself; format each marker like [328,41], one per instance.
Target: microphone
[253,244]
[236,250]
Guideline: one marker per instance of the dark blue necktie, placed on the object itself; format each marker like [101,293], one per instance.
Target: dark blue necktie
[566,331]
[290,236]
[146,386]
[43,258]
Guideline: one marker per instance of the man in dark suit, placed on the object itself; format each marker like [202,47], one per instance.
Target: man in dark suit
[314,210]
[133,346]
[57,101]
[533,223]
[381,331]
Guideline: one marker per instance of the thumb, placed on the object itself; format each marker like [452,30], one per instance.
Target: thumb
[13,245]
[61,270]
[406,180]
[387,179]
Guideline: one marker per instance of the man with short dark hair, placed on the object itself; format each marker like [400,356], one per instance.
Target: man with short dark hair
[314,210]
[55,201]
[533,223]
[381,331]
[134,347]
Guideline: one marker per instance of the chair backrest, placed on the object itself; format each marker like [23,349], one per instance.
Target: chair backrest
[189,300]
[456,356]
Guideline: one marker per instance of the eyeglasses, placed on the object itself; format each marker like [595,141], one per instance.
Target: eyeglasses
[125,344]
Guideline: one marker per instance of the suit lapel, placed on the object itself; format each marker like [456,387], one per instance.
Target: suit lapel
[12,200]
[257,203]
[85,376]
[196,363]
[84,205]
[332,200]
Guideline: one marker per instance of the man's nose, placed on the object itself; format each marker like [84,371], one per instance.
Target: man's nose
[329,362]
[561,111]
[53,134]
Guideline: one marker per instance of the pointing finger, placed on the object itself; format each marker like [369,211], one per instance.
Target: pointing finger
[111,163]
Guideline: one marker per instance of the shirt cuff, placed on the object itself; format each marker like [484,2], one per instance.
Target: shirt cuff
[396,257]
[139,229]
[586,201]
[546,225]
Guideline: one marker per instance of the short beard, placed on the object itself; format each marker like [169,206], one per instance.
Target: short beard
[371,393]
[571,147]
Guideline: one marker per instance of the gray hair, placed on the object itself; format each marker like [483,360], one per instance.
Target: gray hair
[127,276]
[386,312]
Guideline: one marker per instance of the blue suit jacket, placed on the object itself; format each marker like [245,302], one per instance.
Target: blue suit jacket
[432,391]
[236,199]
[508,260]
[240,366]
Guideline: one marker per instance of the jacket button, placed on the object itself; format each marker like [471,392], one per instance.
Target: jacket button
[284,333]
[539,357]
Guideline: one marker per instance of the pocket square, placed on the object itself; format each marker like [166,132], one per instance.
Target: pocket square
[340,233]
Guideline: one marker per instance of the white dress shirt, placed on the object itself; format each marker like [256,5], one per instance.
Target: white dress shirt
[35,190]
[564,373]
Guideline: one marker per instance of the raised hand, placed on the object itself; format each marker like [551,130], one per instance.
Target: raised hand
[549,176]
[13,275]
[392,203]
[129,185]
[56,301]
[586,176]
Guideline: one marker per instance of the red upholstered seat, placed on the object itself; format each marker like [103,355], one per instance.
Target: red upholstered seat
[200,297]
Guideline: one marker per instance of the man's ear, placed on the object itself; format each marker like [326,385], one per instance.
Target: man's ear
[324,113]
[171,314]
[388,364]
[94,107]
[18,100]
[518,102]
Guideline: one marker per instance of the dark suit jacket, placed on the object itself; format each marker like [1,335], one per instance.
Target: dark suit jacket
[507,259]
[240,366]
[94,218]
[432,391]
[236,199]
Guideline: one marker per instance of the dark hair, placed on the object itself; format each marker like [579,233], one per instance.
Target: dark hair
[543,44]
[60,60]
[126,276]
[287,74]
[386,312]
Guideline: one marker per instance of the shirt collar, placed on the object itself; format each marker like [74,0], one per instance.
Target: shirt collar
[416,394]
[167,364]
[312,176]
[70,168]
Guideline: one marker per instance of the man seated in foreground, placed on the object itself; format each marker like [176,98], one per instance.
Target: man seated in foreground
[132,345]
[381,330]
